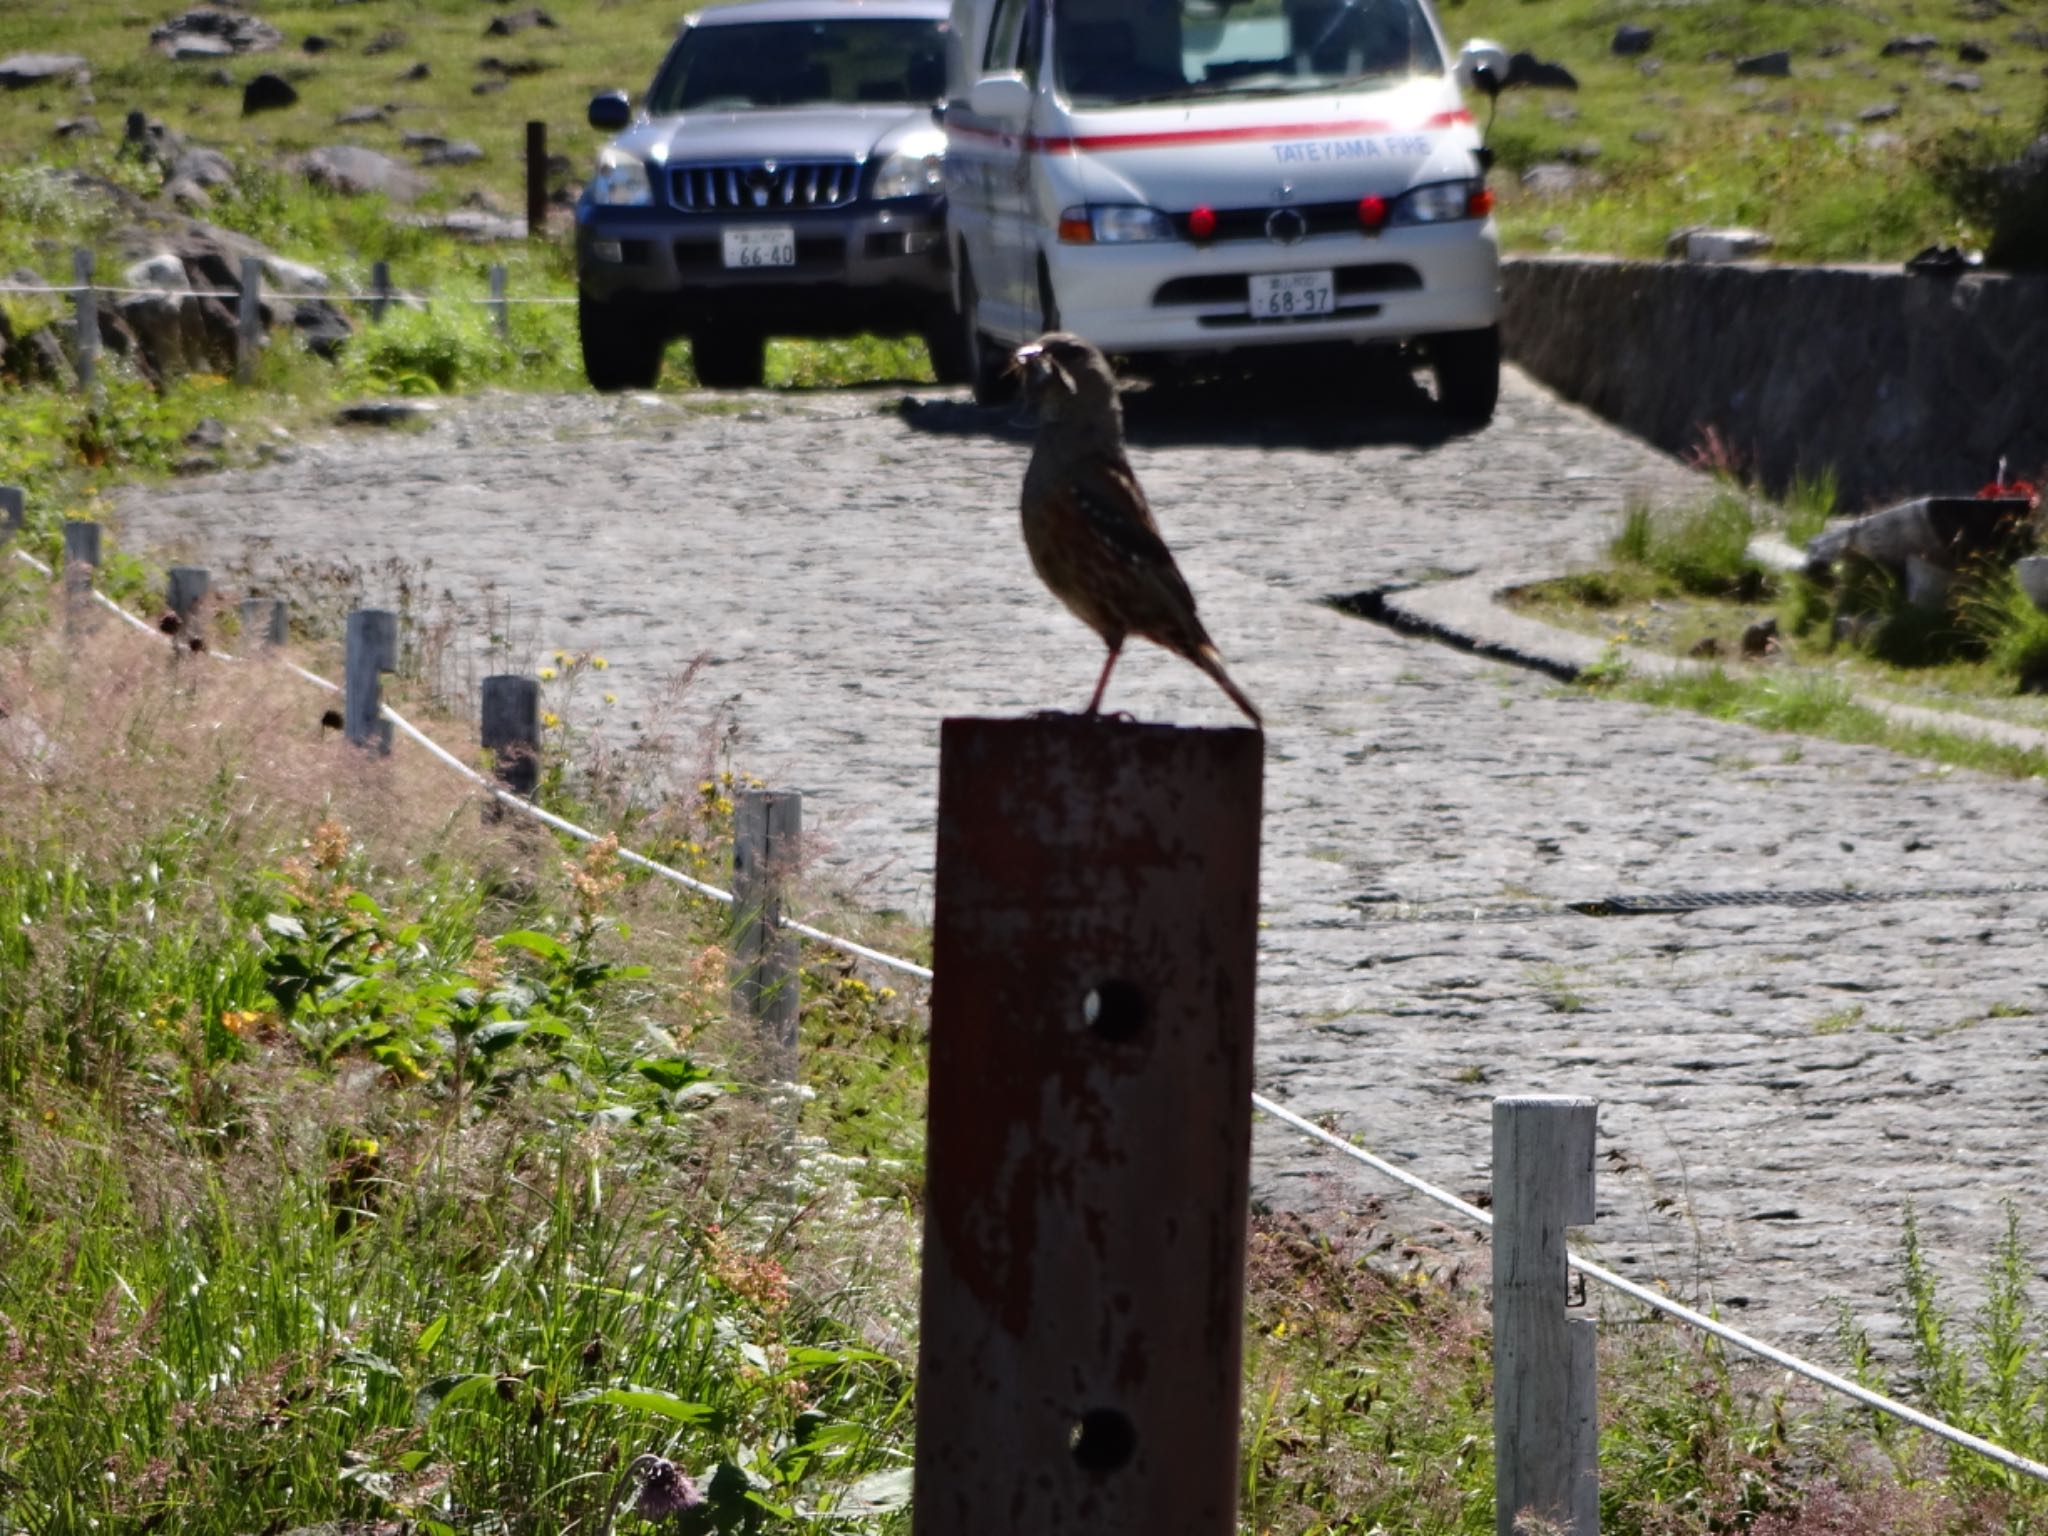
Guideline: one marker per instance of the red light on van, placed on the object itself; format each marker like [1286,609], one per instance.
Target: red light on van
[1372,214]
[1202,223]
[1076,228]
[1479,203]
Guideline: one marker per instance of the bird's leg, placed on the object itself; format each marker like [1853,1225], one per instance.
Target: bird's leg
[1102,682]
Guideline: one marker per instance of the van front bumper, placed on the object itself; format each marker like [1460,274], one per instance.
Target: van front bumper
[1174,296]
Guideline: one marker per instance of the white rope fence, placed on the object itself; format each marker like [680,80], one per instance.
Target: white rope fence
[1655,1300]
[548,818]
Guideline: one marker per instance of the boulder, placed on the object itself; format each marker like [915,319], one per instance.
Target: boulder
[1553,179]
[459,152]
[316,44]
[1970,51]
[1880,112]
[1523,69]
[207,167]
[1630,40]
[77,128]
[23,70]
[419,71]
[348,169]
[1909,47]
[420,139]
[294,276]
[512,68]
[268,93]
[210,32]
[1964,80]
[519,21]
[145,139]
[383,42]
[1943,531]
[322,327]
[166,319]
[1776,64]
[357,116]
[1701,244]
[187,194]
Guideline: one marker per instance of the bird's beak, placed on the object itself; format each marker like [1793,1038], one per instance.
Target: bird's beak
[1022,359]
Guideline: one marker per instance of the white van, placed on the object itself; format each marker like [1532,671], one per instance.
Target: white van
[1201,176]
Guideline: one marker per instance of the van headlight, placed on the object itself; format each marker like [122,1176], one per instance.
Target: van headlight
[621,181]
[1114,224]
[1439,202]
[911,172]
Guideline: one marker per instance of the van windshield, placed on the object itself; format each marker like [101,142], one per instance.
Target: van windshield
[737,65]
[1120,52]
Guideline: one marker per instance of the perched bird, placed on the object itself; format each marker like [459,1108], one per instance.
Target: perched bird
[1086,522]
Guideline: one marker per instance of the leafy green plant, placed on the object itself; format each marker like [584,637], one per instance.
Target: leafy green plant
[1996,612]
[1701,548]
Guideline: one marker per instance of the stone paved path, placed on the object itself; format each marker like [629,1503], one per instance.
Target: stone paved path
[1774,1082]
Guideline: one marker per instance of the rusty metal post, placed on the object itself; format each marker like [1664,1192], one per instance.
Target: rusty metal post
[1088,1151]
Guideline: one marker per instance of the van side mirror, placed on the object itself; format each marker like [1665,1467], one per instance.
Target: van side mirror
[1006,98]
[1482,66]
[610,111]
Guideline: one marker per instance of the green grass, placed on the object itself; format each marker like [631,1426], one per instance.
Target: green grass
[1701,548]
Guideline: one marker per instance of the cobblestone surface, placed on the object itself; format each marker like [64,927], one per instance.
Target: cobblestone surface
[1774,1083]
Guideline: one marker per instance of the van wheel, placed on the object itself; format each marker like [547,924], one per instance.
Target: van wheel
[945,339]
[1467,369]
[987,368]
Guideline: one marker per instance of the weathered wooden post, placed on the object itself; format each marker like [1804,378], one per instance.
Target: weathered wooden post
[1088,1152]
[81,561]
[511,731]
[536,181]
[264,620]
[767,983]
[1546,1441]
[13,511]
[184,590]
[249,320]
[501,312]
[372,649]
[380,290]
[86,300]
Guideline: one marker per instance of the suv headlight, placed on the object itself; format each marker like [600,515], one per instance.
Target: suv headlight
[913,172]
[621,181]
[1114,224]
[1438,203]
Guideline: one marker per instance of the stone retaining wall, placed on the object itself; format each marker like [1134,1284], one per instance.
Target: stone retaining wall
[1903,385]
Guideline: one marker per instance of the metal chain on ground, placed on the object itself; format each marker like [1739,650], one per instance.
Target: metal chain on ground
[1659,1302]
[1674,903]
[1592,1271]
[548,818]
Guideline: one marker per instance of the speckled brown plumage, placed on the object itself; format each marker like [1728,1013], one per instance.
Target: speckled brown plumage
[1087,525]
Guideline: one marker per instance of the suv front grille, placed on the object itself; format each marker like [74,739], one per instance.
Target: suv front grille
[764,186]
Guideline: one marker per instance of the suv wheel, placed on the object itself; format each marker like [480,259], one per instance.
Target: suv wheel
[622,348]
[1467,369]
[987,369]
[729,359]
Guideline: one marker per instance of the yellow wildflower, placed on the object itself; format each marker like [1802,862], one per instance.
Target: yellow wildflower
[611,698]
[550,719]
[547,674]
[599,663]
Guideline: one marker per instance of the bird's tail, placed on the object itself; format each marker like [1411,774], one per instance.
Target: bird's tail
[1207,658]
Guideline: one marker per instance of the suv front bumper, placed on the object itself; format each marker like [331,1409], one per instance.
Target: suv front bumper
[869,266]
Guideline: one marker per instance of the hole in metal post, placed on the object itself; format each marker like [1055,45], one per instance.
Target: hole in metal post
[1103,1441]
[1115,1010]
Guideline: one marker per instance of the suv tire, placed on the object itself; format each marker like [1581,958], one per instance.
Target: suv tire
[622,349]
[988,370]
[1467,369]
[946,341]
[729,359]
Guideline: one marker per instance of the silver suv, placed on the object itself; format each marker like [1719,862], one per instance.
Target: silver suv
[783,177]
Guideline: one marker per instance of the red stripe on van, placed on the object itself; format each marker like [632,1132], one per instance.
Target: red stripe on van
[1173,138]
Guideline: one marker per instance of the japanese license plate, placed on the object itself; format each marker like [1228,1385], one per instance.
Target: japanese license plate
[771,247]
[1291,295]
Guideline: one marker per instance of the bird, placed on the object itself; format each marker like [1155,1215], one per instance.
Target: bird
[1087,525]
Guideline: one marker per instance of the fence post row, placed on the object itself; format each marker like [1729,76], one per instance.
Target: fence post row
[249,320]
[264,619]
[81,562]
[372,649]
[511,732]
[1088,1151]
[13,511]
[1545,1428]
[184,590]
[87,302]
[767,984]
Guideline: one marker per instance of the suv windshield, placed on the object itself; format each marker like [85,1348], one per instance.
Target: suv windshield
[1117,52]
[800,63]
